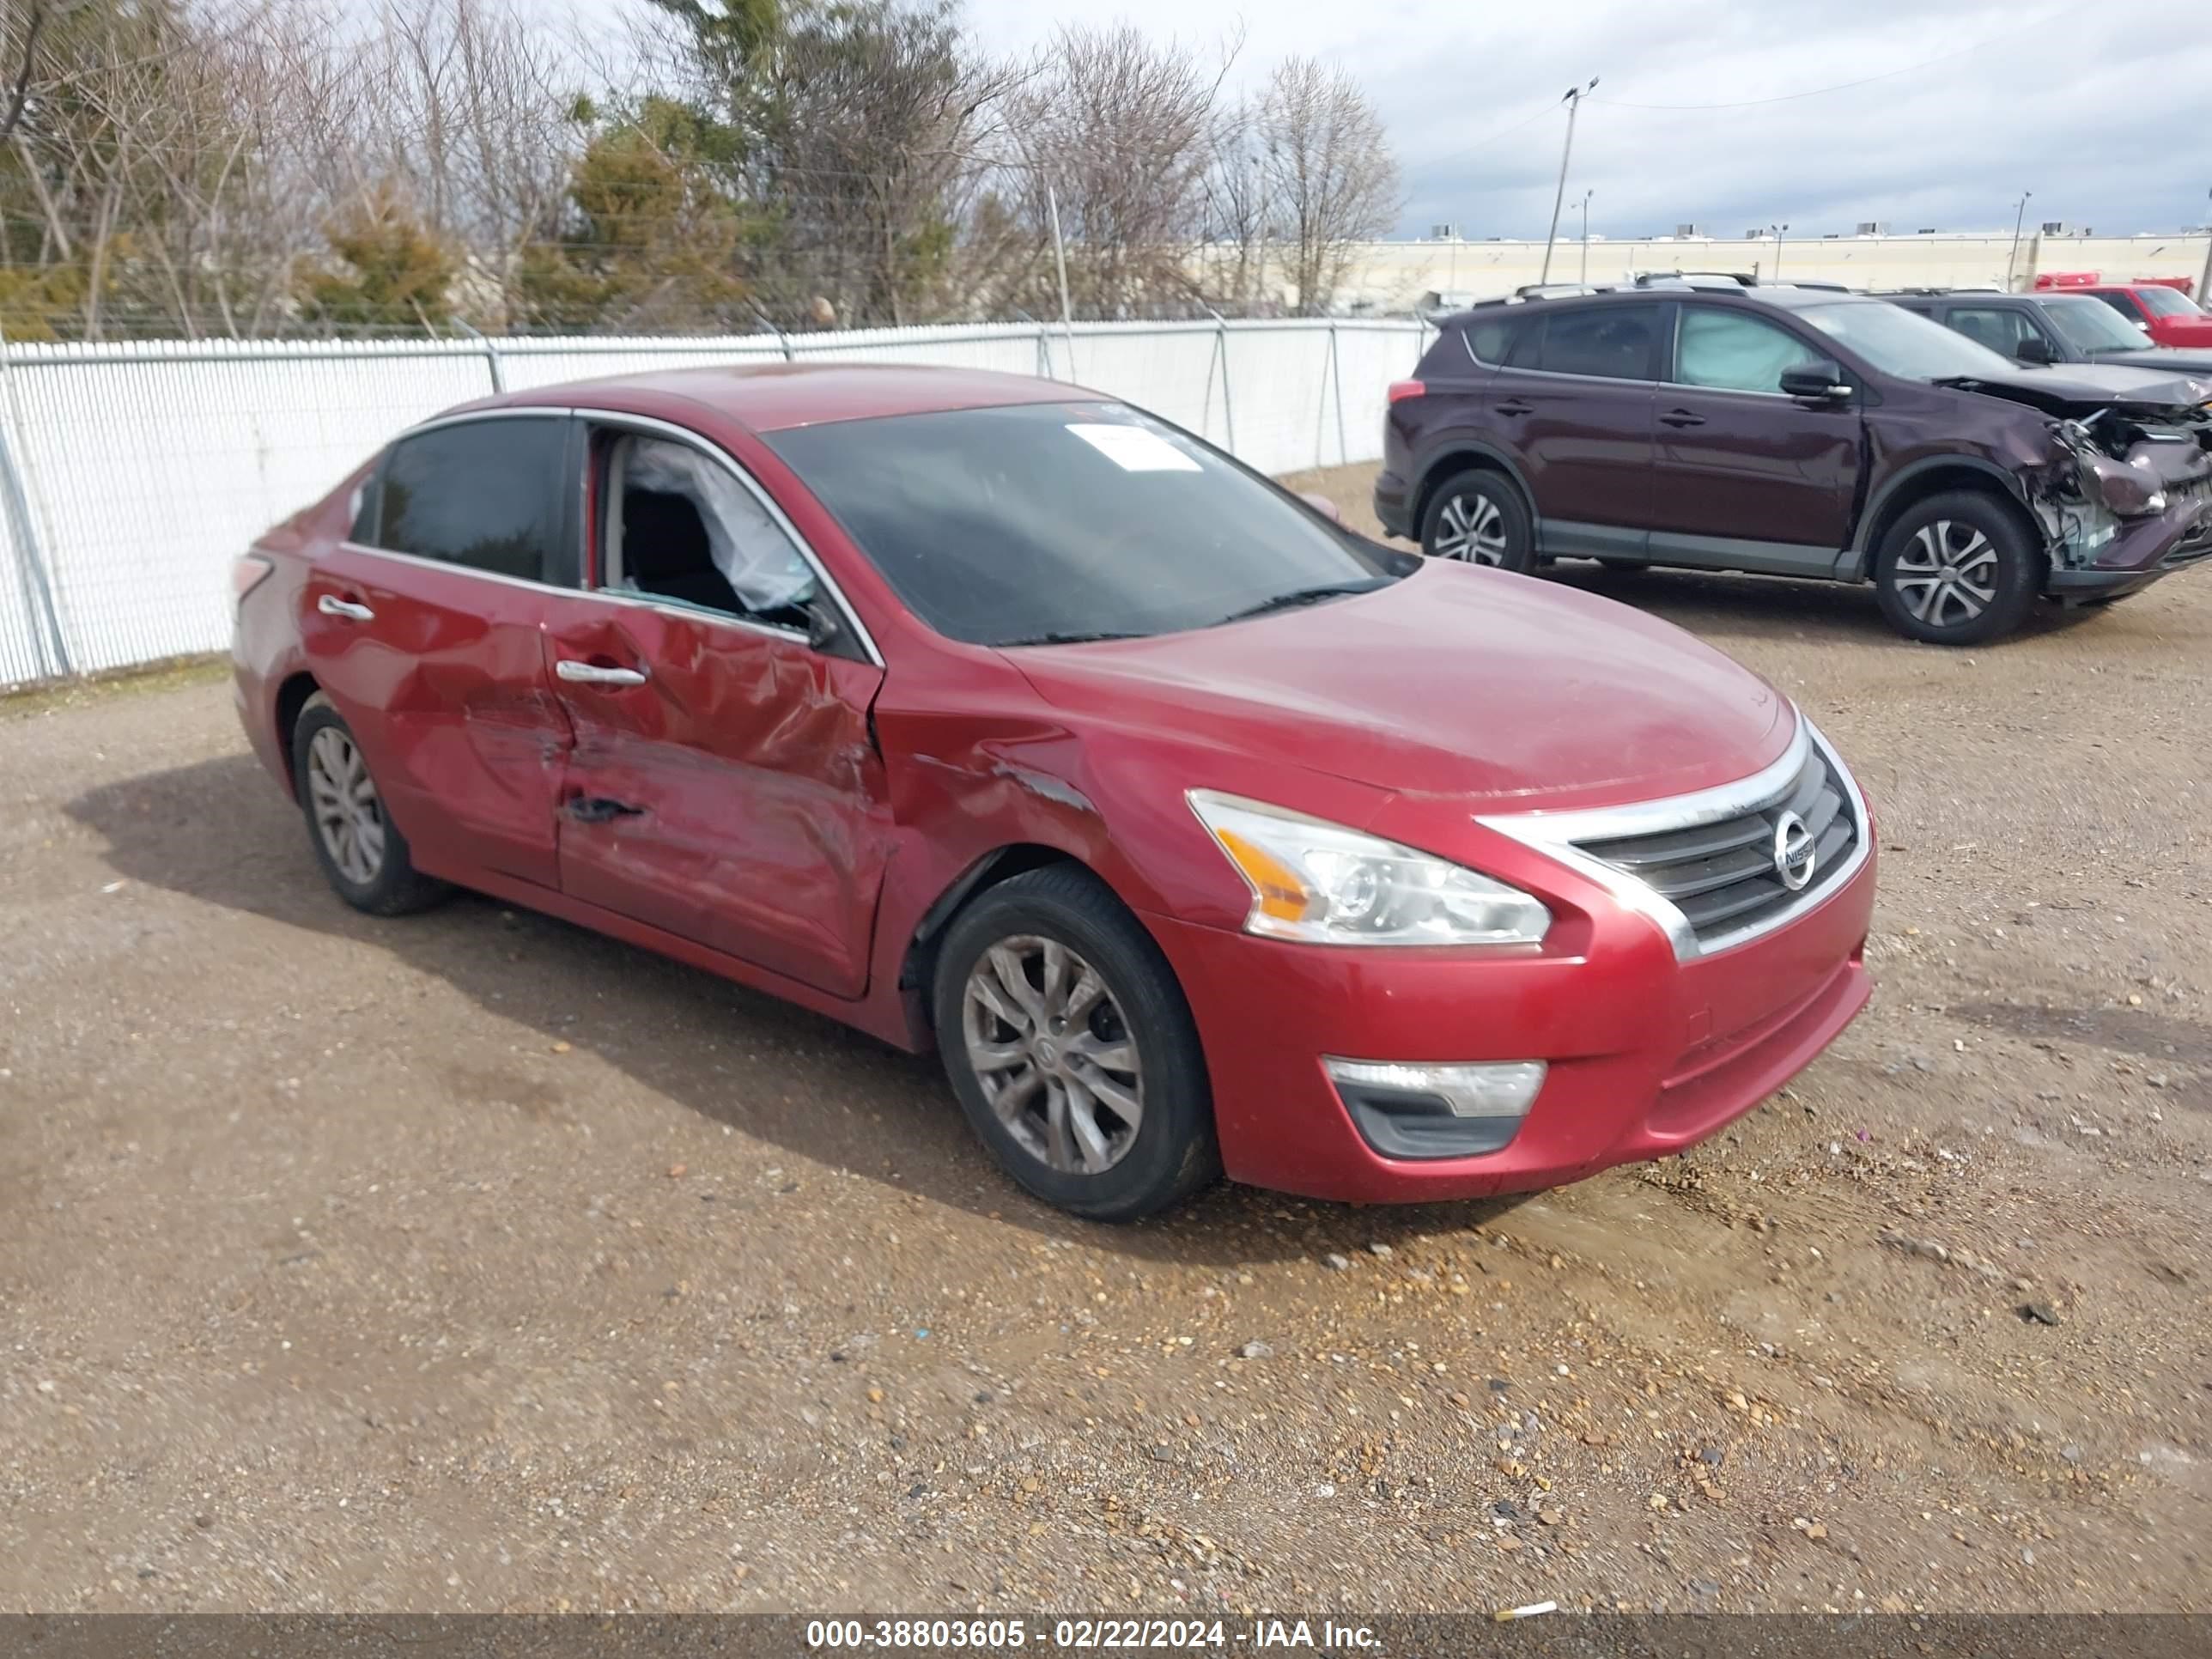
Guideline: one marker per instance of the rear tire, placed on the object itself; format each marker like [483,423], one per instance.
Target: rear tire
[1477,517]
[363,855]
[1958,568]
[1074,1055]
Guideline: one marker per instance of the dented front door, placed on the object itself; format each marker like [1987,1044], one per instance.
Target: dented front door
[722,786]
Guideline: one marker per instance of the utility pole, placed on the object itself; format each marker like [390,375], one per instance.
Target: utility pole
[1778,230]
[2018,218]
[2204,278]
[1586,195]
[1573,101]
[1060,258]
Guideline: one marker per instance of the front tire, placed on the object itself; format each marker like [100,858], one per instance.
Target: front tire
[1957,570]
[1074,1055]
[363,855]
[1477,517]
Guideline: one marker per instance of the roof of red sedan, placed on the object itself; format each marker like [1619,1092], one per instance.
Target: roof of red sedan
[772,396]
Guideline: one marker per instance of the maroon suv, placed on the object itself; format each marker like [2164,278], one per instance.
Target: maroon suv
[1797,432]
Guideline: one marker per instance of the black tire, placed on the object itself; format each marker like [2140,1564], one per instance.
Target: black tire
[383,882]
[1958,568]
[1171,1151]
[1469,504]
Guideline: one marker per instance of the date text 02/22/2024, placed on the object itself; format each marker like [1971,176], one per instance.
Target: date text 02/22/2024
[831,1635]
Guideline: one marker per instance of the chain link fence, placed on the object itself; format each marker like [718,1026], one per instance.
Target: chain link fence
[132,474]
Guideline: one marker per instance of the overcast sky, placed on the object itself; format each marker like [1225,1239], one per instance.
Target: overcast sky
[2099,109]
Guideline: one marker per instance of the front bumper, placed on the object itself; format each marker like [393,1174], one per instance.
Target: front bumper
[1647,1054]
[1391,496]
[2145,549]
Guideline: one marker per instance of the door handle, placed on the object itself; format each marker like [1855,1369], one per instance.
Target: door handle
[1681,417]
[331,606]
[599,809]
[591,673]
[1514,406]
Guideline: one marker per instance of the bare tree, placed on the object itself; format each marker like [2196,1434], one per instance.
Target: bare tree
[1117,126]
[20,44]
[1239,208]
[467,113]
[879,115]
[1330,171]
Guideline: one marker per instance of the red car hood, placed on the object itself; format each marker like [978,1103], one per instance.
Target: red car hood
[2183,331]
[1456,680]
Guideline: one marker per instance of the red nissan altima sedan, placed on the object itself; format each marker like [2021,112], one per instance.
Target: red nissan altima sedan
[1195,832]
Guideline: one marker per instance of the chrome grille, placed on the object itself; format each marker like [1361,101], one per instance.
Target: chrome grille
[1723,875]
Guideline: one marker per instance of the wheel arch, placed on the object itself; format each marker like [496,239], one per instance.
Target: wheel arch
[1916,484]
[1467,455]
[292,697]
[918,965]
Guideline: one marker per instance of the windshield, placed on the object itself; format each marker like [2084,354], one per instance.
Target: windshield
[2092,326]
[1043,522]
[1900,343]
[2166,302]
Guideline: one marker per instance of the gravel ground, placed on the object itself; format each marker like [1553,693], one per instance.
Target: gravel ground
[473,1262]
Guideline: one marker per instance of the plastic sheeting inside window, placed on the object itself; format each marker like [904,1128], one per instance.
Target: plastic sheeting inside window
[1734,353]
[748,547]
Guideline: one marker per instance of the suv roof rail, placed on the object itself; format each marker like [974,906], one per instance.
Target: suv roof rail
[1552,290]
[1936,289]
[1693,278]
[1817,287]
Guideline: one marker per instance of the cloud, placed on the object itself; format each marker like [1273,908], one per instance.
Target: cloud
[2097,109]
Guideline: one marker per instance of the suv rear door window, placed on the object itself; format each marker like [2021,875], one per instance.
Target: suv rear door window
[1731,352]
[1609,342]
[487,494]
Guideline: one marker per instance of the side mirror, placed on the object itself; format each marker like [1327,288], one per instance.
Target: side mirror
[825,629]
[2034,350]
[1322,505]
[1822,382]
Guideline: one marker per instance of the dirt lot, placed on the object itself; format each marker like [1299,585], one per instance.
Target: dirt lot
[474,1261]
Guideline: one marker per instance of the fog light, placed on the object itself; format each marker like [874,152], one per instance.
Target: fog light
[1458,1110]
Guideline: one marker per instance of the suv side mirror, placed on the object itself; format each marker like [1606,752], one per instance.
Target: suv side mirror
[1321,504]
[1820,382]
[2034,350]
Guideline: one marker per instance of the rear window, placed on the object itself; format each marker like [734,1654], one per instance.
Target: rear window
[486,495]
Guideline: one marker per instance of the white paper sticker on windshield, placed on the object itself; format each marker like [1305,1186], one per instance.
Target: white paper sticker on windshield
[1133,449]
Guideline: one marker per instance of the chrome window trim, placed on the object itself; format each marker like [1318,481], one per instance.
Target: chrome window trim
[714,452]
[1569,374]
[1554,835]
[697,613]
[1724,391]
[349,545]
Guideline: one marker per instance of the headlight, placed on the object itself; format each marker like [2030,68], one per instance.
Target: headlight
[1326,884]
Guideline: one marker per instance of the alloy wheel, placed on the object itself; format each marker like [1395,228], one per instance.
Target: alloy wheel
[1471,528]
[349,817]
[1055,1060]
[1947,574]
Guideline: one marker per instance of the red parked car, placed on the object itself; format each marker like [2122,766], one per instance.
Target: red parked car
[2167,315]
[1195,831]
